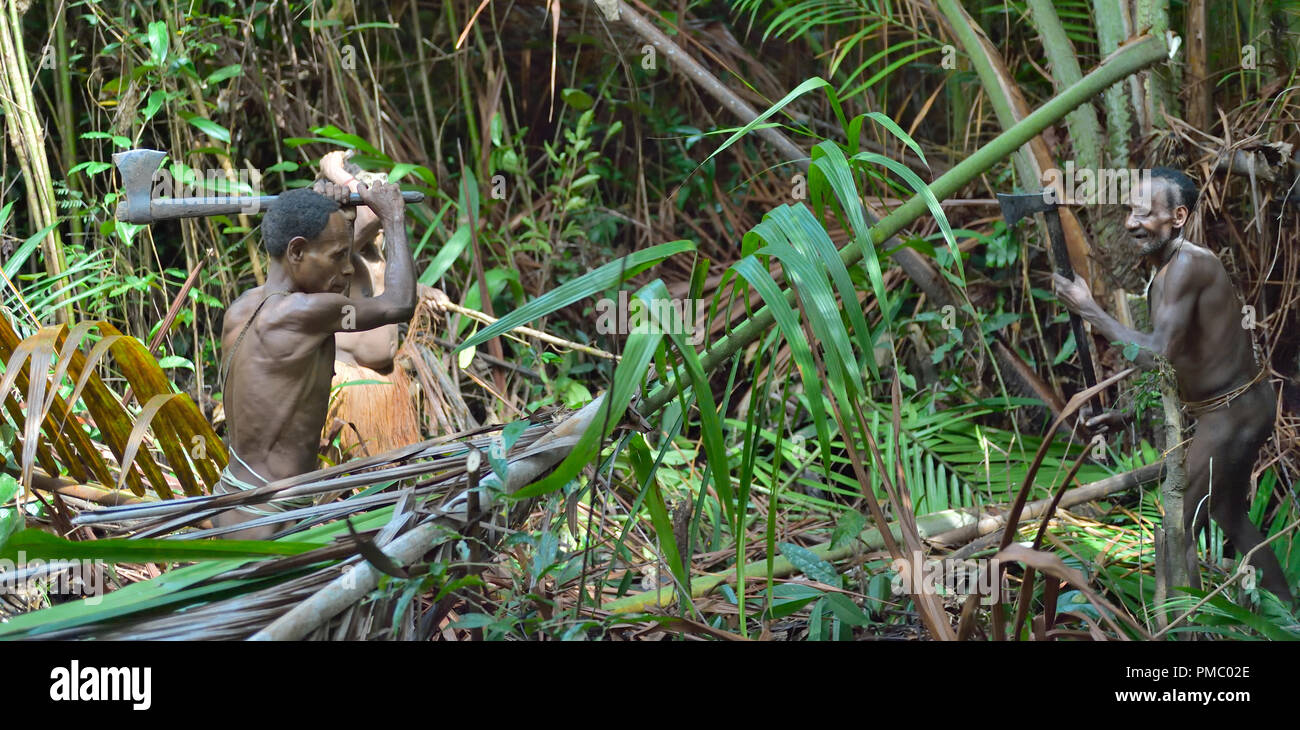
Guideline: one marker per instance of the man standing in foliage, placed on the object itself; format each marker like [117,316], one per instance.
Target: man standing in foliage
[278,339]
[1197,327]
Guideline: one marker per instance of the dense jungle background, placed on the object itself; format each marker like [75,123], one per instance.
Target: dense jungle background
[864,361]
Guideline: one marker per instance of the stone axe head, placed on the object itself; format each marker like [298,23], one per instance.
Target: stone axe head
[137,168]
[1018,205]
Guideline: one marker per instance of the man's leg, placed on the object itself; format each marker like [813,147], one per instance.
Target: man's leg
[1229,441]
[1230,508]
[237,516]
[1233,516]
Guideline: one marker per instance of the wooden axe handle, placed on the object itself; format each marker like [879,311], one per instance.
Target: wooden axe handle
[163,209]
[1061,262]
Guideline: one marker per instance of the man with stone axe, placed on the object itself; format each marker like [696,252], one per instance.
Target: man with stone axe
[278,338]
[1197,328]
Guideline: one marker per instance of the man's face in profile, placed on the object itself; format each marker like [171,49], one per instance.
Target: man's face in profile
[368,279]
[324,262]
[1151,222]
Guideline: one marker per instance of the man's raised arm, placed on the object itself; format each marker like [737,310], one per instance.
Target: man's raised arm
[329,313]
[333,166]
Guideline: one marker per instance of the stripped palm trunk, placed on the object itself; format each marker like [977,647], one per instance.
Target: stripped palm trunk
[374,412]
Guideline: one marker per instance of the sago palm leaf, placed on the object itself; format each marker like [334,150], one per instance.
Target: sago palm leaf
[56,439]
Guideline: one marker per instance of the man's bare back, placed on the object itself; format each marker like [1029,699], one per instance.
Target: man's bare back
[278,339]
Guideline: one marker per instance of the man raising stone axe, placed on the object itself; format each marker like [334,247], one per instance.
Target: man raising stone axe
[278,339]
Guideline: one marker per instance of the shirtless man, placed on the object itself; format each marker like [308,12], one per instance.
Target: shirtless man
[376,348]
[1196,322]
[278,339]
[371,407]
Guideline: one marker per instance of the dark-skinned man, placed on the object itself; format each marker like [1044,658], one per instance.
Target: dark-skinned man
[371,407]
[278,339]
[1197,326]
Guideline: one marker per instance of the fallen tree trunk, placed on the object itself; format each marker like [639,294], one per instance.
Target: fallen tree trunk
[458,513]
[950,527]
[1134,56]
[1033,510]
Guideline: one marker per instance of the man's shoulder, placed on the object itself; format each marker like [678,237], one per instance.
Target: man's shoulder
[272,309]
[1194,265]
[300,319]
[239,309]
[295,305]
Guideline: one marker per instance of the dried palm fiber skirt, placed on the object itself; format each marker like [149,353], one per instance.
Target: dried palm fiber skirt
[377,416]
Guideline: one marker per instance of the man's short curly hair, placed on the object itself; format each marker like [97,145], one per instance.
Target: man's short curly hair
[302,212]
[1182,188]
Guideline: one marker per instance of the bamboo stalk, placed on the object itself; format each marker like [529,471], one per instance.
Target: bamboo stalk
[63,93]
[1133,57]
[28,140]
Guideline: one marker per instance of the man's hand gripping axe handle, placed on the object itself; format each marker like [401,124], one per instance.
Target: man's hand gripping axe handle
[1017,206]
[138,205]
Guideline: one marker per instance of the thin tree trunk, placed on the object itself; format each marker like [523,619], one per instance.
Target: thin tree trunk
[1199,104]
[1171,548]
[1152,16]
[27,136]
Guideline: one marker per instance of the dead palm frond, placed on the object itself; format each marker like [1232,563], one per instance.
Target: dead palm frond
[53,436]
[439,465]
